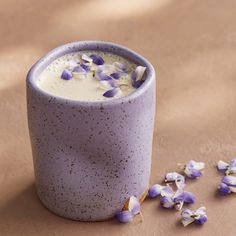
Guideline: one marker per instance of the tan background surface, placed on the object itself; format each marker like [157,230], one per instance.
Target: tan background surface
[192,45]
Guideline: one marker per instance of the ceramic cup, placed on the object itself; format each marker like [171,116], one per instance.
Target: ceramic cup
[89,157]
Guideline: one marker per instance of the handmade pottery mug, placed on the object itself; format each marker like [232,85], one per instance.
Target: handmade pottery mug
[89,157]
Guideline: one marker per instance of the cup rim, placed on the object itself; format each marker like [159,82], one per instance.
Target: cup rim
[100,46]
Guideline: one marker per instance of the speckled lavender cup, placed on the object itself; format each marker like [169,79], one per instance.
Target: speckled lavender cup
[89,157]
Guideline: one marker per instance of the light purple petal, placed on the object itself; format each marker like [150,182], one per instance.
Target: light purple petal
[66,74]
[232,163]
[229,180]
[202,219]
[78,69]
[103,76]
[167,191]
[224,189]
[134,205]
[98,60]
[167,202]
[155,190]
[121,67]
[193,173]
[186,197]
[173,176]
[113,83]
[124,216]
[221,165]
[110,93]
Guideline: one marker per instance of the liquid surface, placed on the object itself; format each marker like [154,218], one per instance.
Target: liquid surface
[90,85]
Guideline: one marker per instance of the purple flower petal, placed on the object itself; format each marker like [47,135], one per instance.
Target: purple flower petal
[121,67]
[193,169]
[167,191]
[78,69]
[85,67]
[113,83]
[224,189]
[202,219]
[232,163]
[155,190]
[103,76]
[167,202]
[134,205]
[110,93]
[66,74]
[229,180]
[124,216]
[98,60]
[115,75]
[221,165]
[186,197]
[137,83]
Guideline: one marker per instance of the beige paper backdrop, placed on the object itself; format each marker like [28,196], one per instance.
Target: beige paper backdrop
[192,45]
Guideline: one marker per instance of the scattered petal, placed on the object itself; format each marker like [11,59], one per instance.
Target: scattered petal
[199,216]
[167,202]
[193,169]
[155,190]
[138,73]
[66,74]
[103,76]
[124,216]
[224,189]
[167,191]
[110,93]
[229,180]
[221,165]
[98,60]
[186,197]
[134,205]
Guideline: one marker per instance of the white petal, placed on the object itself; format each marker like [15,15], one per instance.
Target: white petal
[187,221]
[200,211]
[232,189]
[140,71]
[167,192]
[199,165]
[87,59]
[221,165]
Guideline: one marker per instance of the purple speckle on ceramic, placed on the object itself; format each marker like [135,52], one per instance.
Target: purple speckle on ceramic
[90,157]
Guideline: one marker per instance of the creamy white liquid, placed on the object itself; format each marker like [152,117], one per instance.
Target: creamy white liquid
[84,89]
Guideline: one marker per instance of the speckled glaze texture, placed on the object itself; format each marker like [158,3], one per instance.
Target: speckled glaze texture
[89,157]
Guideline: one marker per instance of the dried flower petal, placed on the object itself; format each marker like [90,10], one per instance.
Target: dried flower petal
[199,216]
[167,191]
[132,205]
[193,169]
[167,202]
[98,60]
[186,197]
[85,67]
[228,168]
[137,83]
[224,189]
[155,190]
[87,59]
[229,180]
[66,74]
[110,93]
[120,67]
[115,75]
[124,216]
